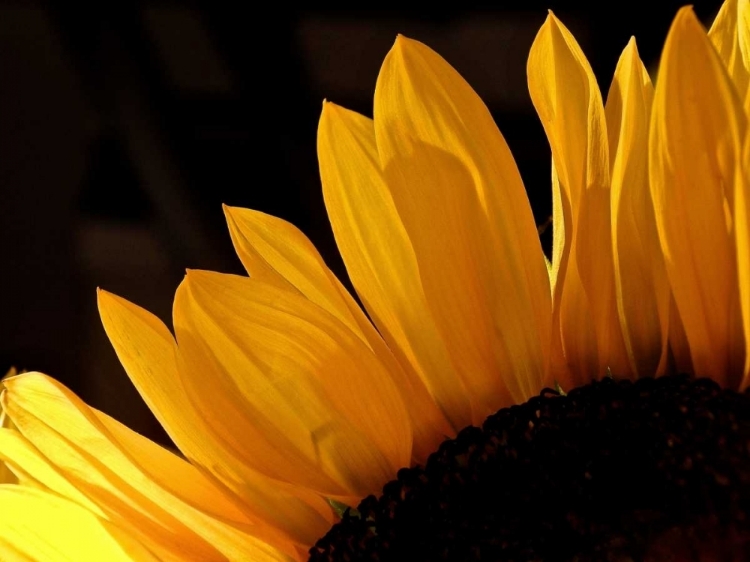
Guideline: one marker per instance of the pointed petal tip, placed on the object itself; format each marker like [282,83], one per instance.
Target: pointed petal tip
[686,19]
[104,299]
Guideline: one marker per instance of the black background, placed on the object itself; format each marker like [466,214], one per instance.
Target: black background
[124,128]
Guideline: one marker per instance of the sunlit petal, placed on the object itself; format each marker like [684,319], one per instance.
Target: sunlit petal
[148,352]
[696,129]
[302,399]
[457,190]
[274,251]
[144,489]
[42,527]
[567,98]
[640,275]
[729,35]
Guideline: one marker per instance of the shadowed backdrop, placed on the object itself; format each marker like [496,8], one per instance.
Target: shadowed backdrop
[124,129]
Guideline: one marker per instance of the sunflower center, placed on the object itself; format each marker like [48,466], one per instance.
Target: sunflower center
[658,469]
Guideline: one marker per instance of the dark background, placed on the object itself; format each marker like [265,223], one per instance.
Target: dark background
[124,128]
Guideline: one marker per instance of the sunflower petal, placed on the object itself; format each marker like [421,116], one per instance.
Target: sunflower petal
[742,231]
[697,125]
[457,189]
[566,96]
[42,527]
[274,251]
[385,275]
[643,292]
[729,35]
[302,399]
[99,457]
[149,354]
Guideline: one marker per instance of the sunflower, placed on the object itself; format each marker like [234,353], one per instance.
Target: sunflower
[427,429]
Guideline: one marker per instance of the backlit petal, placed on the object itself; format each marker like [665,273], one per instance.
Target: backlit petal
[302,399]
[742,230]
[276,252]
[42,527]
[148,352]
[458,192]
[566,96]
[640,275]
[697,125]
[730,43]
[156,496]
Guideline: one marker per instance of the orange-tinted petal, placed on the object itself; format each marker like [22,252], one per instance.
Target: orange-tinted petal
[641,282]
[274,251]
[148,352]
[697,125]
[566,96]
[729,35]
[301,399]
[457,190]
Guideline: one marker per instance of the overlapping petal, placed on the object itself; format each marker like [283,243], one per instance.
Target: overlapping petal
[160,499]
[149,354]
[457,190]
[730,36]
[274,251]
[567,99]
[38,526]
[642,287]
[303,400]
[697,127]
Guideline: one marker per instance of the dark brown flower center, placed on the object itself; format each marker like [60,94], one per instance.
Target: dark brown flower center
[658,469]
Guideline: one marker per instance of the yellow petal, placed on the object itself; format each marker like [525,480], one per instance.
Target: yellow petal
[697,124]
[566,96]
[731,43]
[148,352]
[156,496]
[641,282]
[457,189]
[381,264]
[274,251]
[295,393]
[41,527]
[33,469]
[742,231]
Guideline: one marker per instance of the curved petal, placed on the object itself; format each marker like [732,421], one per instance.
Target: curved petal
[274,251]
[566,96]
[381,263]
[640,276]
[39,526]
[742,231]
[136,484]
[458,192]
[302,399]
[697,124]
[148,353]
[731,43]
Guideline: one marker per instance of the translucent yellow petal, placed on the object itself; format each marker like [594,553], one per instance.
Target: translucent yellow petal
[697,125]
[41,527]
[148,352]
[276,252]
[732,48]
[381,263]
[125,476]
[33,469]
[641,282]
[566,96]
[742,231]
[458,192]
[743,32]
[301,398]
